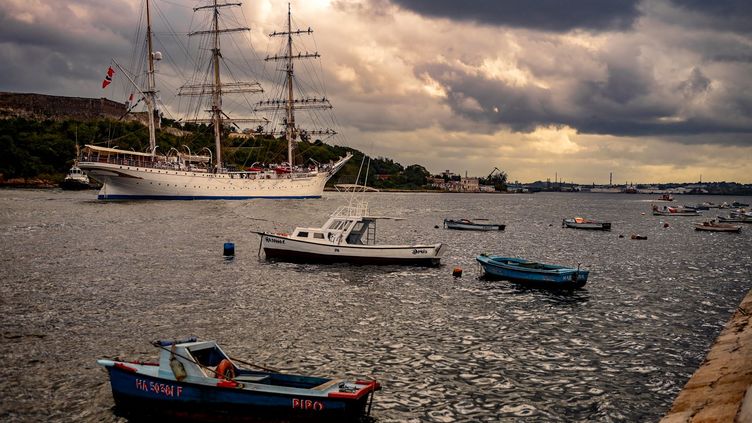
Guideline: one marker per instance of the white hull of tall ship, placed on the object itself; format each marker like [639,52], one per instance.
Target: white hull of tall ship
[288,248]
[124,182]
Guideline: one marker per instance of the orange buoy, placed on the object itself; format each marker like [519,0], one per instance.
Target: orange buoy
[457,272]
[225,370]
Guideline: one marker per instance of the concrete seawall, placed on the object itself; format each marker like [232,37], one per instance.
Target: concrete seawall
[721,389]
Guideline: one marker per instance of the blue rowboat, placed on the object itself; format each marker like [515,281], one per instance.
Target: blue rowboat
[532,273]
[197,381]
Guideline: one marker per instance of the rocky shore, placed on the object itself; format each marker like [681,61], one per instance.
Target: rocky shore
[719,391]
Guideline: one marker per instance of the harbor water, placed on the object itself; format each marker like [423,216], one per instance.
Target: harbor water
[83,279]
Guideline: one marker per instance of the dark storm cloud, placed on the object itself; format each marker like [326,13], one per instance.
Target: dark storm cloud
[727,15]
[627,103]
[546,15]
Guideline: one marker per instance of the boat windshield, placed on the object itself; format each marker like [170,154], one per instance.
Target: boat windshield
[208,356]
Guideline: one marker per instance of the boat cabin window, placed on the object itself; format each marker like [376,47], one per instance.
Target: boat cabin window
[208,356]
[318,235]
[302,234]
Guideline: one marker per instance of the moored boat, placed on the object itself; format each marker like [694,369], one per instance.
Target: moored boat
[665,197]
[75,180]
[349,235]
[735,219]
[582,223]
[174,175]
[196,380]
[674,211]
[713,226]
[472,225]
[532,273]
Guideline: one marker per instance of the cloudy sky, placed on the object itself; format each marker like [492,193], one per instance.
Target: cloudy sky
[651,90]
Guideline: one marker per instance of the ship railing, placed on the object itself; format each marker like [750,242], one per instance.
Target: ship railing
[140,162]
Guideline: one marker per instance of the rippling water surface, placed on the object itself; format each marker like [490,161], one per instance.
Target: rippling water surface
[83,279]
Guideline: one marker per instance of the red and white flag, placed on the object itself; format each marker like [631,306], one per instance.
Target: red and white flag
[108,77]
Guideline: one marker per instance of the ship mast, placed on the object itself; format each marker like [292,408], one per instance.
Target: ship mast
[217,88]
[291,104]
[151,92]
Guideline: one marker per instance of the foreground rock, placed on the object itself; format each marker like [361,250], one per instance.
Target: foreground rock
[719,391]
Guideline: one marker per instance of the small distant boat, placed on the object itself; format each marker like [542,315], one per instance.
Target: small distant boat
[674,211]
[713,226]
[582,223]
[197,380]
[472,225]
[75,180]
[665,197]
[701,206]
[737,204]
[348,236]
[735,219]
[533,273]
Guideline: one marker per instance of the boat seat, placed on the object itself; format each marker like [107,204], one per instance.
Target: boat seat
[326,385]
[251,378]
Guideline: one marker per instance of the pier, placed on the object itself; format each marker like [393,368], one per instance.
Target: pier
[719,390]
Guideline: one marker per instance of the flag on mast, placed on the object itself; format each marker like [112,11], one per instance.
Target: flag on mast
[108,77]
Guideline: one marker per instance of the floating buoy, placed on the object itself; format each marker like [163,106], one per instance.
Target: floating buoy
[229,249]
[639,237]
[621,235]
[665,225]
[457,272]
[436,226]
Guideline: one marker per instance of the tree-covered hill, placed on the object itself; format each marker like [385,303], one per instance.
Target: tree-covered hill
[46,149]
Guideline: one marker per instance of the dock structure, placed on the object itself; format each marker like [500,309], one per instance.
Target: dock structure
[721,388]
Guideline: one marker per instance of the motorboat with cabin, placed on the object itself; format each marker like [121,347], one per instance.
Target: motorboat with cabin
[75,180]
[349,235]
[197,380]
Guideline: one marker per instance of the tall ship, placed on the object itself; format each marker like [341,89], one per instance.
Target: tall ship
[177,175]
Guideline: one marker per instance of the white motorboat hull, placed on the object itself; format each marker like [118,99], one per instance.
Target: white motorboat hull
[287,248]
[122,182]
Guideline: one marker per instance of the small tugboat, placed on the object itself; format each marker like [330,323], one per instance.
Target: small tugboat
[674,211]
[713,226]
[75,180]
[348,236]
[582,223]
[470,225]
[197,381]
[532,273]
